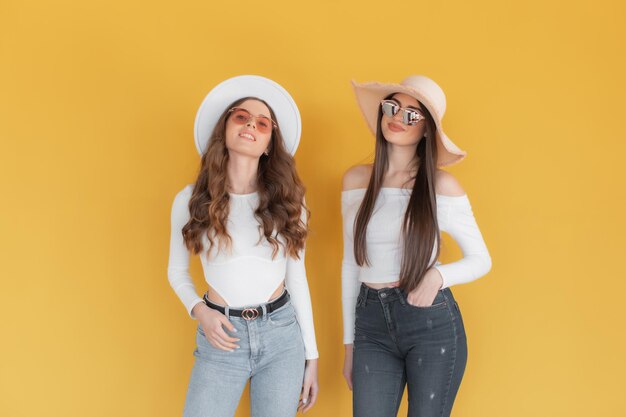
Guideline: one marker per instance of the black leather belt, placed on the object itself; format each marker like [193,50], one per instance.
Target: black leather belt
[252,312]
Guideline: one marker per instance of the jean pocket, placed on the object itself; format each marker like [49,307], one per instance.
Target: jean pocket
[359,300]
[438,302]
[284,316]
[203,347]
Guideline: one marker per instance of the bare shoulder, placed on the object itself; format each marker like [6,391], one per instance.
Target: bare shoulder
[447,184]
[357,176]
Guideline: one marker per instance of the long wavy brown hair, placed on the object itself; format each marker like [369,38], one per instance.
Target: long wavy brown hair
[420,230]
[281,196]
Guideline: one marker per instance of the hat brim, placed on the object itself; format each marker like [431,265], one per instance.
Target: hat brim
[369,96]
[222,95]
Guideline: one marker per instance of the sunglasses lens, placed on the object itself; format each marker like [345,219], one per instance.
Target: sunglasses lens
[411,117]
[389,108]
[263,124]
[240,117]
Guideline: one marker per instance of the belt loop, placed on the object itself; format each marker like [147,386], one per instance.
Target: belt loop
[400,295]
[226,311]
[446,295]
[366,291]
[264,308]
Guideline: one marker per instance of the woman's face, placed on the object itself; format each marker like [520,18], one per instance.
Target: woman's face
[395,131]
[244,134]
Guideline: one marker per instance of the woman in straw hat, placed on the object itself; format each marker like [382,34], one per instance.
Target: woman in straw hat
[402,326]
[245,216]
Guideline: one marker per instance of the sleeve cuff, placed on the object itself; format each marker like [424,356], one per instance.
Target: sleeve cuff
[192,305]
[311,355]
[444,282]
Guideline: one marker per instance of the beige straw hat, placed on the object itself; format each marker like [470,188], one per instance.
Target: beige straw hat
[427,92]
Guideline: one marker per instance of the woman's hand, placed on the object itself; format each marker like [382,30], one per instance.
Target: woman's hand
[309,386]
[211,322]
[426,291]
[347,365]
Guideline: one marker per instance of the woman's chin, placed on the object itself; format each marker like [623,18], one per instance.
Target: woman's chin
[245,151]
[399,139]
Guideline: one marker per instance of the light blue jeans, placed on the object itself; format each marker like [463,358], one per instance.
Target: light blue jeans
[271,356]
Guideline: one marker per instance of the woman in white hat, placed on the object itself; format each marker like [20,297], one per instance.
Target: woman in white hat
[245,216]
[402,325]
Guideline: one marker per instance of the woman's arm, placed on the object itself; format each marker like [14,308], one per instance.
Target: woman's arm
[178,264]
[457,219]
[349,276]
[354,178]
[298,287]
[180,280]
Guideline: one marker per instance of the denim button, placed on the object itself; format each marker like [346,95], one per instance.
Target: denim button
[383,295]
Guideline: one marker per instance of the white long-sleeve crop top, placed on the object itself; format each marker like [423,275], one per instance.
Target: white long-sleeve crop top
[246,275]
[385,246]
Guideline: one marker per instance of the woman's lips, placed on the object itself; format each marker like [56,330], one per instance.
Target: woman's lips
[394,127]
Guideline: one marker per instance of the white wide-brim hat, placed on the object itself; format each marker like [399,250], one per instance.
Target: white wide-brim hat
[226,92]
[426,91]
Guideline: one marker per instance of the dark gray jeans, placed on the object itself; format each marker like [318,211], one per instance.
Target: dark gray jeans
[397,344]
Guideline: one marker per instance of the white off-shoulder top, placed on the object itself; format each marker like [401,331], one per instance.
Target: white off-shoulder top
[385,246]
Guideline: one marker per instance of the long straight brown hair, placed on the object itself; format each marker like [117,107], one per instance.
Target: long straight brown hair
[420,231]
[281,195]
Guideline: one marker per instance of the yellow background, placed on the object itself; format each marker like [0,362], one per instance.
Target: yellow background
[97,103]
